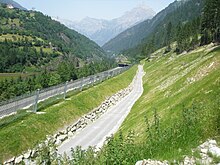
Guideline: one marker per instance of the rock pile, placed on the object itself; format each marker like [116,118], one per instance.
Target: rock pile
[91,117]
[152,162]
[209,153]
[31,156]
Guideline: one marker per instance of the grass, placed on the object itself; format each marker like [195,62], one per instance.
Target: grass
[178,110]
[4,76]
[173,83]
[28,130]
[14,37]
[47,50]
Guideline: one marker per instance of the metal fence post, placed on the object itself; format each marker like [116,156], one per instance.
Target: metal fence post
[36,100]
[65,89]
[93,80]
[108,74]
[81,84]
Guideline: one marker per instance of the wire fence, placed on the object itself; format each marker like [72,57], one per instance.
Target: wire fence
[32,101]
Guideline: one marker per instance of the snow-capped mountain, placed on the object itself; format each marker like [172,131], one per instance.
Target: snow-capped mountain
[101,31]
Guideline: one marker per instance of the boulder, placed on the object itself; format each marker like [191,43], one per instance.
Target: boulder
[204,150]
[189,161]
[34,153]
[61,138]
[10,161]
[139,162]
[19,159]
[27,155]
[70,134]
[213,142]
[215,151]
[58,142]
[151,162]
[73,129]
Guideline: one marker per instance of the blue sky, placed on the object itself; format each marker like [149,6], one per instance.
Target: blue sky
[78,9]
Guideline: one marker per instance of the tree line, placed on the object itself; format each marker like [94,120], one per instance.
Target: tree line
[69,55]
[16,56]
[185,34]
[66,71]
[189,35]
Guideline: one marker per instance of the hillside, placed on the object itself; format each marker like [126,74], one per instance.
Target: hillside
[43,53]
[37,32]
[27,129]
[101,30]
[177,12]
[183,91]
[13,3]
[178,111]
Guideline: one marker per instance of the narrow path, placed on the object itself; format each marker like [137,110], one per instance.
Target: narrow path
[95,134]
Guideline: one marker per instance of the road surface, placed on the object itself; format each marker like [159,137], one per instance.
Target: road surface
[95,134]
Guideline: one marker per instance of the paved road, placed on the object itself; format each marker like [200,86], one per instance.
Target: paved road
[96,133]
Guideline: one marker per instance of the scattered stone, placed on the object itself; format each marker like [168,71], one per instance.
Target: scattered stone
[62,138]
[207,151]
[215,151]
[70,134]
[57,142]
[10,161]
[73,129]
[213,142]
[189,161]
[55,136]
[27,154]
[151,162]
[34,153]
[204,150]
[19,159]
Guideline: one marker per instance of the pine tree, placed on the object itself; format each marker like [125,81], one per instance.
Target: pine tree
[168,37]
[218,22]
[210,22]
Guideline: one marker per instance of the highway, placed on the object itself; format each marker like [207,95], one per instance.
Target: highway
[96,133]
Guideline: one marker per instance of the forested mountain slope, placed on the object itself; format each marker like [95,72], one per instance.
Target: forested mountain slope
[177,12]
[27,36]
[42,52]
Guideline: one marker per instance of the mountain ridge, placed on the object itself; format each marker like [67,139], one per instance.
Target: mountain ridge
[133,36]
[40,34]
[101,30]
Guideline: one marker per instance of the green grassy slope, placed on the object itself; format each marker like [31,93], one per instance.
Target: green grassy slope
[178,110]
[184,90]
[29,129]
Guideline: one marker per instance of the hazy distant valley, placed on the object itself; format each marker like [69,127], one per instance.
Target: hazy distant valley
[101,31]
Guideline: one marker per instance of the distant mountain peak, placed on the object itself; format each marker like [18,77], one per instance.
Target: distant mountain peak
[101,31]
[140,33]
[143,5]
